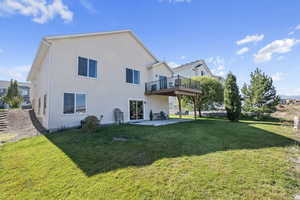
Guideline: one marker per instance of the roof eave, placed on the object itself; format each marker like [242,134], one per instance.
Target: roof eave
[39,57]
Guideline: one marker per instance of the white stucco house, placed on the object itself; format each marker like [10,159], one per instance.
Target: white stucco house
[74,76]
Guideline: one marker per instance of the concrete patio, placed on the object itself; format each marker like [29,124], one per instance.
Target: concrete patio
[160,122]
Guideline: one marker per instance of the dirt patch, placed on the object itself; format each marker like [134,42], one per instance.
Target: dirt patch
[287,112]
[20,126]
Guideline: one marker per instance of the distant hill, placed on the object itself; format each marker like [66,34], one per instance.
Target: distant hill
[289,97]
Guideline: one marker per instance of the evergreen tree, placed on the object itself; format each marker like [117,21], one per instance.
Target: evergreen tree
[232,99]
[13,97]
[260,96]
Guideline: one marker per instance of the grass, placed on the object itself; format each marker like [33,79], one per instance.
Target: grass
[203,159]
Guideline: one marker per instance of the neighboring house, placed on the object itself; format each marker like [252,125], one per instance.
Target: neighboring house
[196,68]
[74,76]
[24,89]
[188,70]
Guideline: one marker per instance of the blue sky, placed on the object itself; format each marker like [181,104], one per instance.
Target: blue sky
[230,35]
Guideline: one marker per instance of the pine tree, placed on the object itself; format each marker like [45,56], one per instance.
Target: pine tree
[232,99]
[260,96]
[13,97]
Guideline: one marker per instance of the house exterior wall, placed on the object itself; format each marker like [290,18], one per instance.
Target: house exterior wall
[40,87]
[114,53]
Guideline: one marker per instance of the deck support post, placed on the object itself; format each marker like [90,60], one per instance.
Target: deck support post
[179,104]
[195,103]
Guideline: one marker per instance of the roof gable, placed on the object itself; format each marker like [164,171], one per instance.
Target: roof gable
[46,43]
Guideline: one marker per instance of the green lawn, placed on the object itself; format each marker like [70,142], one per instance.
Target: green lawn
[204,159]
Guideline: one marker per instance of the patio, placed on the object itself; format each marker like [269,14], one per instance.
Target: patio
[160,122]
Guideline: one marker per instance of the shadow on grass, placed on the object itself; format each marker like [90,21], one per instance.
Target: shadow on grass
[97,152]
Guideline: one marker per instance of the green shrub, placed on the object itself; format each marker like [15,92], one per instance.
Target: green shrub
[91,123]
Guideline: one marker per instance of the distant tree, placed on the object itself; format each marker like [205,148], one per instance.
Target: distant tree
[260,96]
[232,98]
[13,97]
[212,93]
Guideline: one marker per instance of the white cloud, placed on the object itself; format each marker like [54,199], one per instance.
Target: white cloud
[219,71]
[176,1]
[218,64]
[41,11]
[88,5]
[296,28]
[242,51]
[279,58]
[216,61]
[173,64]
[182,57]
[18,72]
[275,47]
[250,38]
[221,67]
[279,76]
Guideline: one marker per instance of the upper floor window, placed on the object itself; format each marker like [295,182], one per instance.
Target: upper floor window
[74,103]
[132,76]
[87,67]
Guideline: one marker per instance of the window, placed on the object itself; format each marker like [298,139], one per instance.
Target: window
[93,68]
[74,103]
[202,73]
[87,67]
[69,103]
[132,76]
[39,106]
[2,91]
[80,103]
[24,92]
[45,104]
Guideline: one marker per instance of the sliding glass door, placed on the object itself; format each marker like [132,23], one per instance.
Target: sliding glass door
[136,110]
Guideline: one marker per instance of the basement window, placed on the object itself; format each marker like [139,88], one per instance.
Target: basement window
[74,103]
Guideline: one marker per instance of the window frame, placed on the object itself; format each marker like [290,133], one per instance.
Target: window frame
[45,104]
[74,110]
[88,68]
[133,76]
[39,106]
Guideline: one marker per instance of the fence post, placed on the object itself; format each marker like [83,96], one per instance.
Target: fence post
[296,123]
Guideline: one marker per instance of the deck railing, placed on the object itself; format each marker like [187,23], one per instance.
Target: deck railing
[175,82]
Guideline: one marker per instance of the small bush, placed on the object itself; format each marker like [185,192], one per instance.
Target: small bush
[90,123]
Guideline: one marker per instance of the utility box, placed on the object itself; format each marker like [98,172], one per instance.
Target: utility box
[296,123]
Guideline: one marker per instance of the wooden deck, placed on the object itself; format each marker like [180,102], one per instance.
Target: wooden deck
[176,86]
[174,92]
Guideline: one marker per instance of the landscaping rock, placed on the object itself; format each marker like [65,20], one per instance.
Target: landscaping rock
[120,139]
